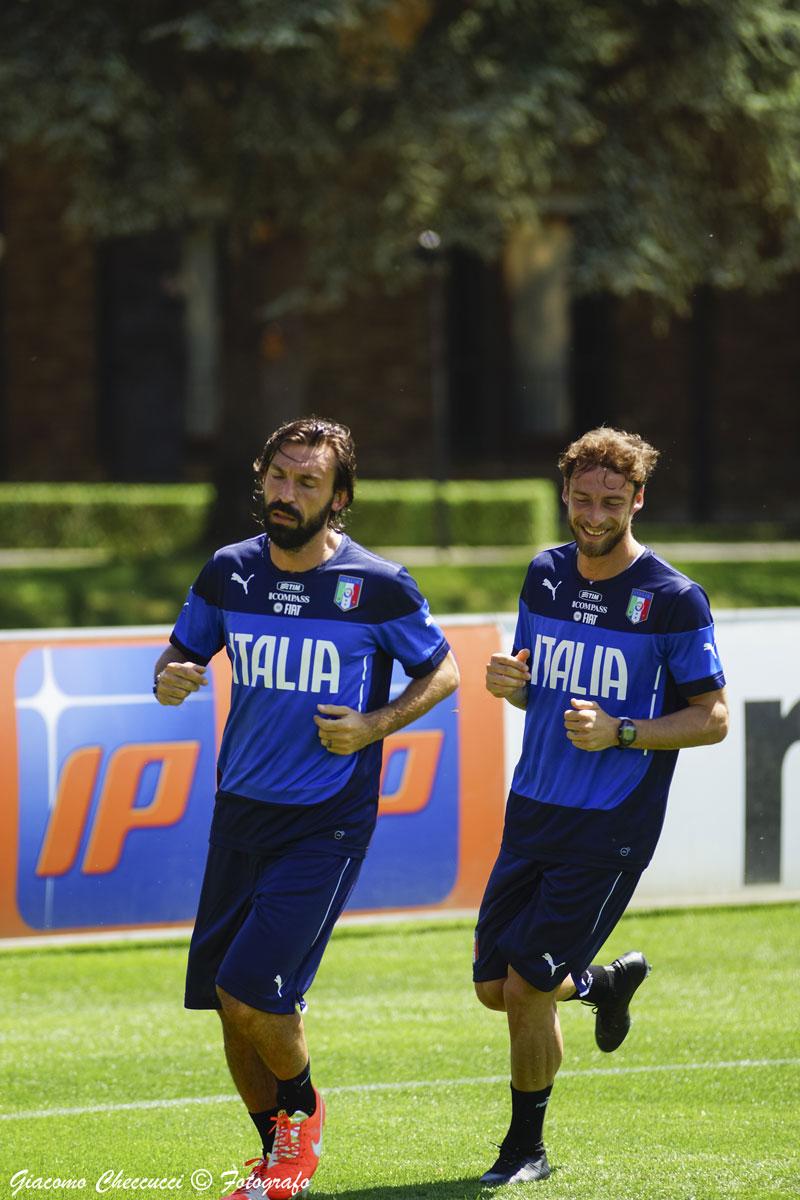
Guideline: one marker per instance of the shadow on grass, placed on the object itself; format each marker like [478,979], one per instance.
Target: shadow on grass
[439,1189]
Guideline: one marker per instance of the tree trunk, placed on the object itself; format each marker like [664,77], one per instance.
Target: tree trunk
[263,368]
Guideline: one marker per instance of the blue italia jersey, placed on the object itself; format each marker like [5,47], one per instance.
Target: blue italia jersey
[639,644]
[296,640]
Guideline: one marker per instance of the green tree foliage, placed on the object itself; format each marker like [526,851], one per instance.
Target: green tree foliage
[668,131]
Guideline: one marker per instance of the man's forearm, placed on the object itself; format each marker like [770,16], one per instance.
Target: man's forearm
[696,725]
[417,699]
[171,654]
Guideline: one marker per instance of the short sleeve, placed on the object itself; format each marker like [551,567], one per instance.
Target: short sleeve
[522,634]
[690,645]
[414,638]
[199,630]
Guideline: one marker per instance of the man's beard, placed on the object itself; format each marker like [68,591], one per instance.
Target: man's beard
[294,537]
[597,547]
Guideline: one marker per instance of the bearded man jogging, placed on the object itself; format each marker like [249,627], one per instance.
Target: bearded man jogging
[311,623]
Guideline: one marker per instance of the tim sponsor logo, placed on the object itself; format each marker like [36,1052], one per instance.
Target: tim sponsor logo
[284,663]
[589,602]
[559,664]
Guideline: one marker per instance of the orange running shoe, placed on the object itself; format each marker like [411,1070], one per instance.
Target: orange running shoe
[295,1153]
[252,1187]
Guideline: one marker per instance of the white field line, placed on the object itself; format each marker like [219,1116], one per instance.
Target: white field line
[404,1085]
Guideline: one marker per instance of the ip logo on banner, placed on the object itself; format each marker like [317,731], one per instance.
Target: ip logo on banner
[115,791]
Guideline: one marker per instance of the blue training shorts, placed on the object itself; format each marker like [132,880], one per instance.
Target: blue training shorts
[263,924]
[546,920]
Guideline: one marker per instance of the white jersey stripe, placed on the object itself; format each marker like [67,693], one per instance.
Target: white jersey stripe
[605,902]
[333,897]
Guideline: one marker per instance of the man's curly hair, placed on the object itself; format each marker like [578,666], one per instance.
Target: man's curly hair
[624,453]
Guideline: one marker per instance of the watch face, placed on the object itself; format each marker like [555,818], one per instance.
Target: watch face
[627,733]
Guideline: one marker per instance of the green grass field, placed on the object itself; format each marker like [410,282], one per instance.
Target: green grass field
[702,1101]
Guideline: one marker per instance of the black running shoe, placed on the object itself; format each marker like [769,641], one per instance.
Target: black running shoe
[613,1019]
[516,1167]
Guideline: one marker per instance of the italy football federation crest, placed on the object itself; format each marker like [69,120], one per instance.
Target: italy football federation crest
[348,592]
[638,606]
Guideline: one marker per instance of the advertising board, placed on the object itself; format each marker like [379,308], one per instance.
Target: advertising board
[107,795]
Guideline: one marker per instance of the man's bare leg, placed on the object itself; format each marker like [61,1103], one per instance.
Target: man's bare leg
[254,1081]
[533,1026]
[266,1052]
[279,1040]
[536,1054]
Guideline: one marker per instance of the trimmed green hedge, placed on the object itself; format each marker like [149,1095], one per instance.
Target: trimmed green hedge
[128,518]
[512,512]
[155,518]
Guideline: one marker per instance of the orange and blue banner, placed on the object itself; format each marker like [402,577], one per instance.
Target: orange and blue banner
[107,795]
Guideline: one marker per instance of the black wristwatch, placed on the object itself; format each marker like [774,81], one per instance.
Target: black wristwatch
[626,733]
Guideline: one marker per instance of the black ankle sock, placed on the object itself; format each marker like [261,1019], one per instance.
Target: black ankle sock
[297,1093]
[527,1119]
[600,988]
[265,1124]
